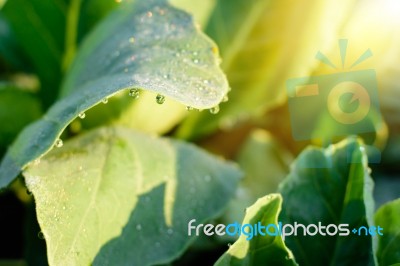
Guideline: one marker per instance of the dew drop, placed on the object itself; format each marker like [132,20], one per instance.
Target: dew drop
[58,143]
[214,110]
[40,235]
[138,227]
[82,115]
[134,93]
[105,100]
[160,99]
[229,245]
[131,40]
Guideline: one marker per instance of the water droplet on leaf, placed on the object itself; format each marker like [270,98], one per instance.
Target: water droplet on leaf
[134,93]
[160,99]
[82,115]
[40,235]
[105,100]
[214,110]
[58,143]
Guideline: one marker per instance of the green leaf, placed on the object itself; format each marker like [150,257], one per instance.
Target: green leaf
[130,203]
[256,43]
[332,192]
[160,32]
[17,109]
[39,27]
[260,250]
[266,164]
[388,218]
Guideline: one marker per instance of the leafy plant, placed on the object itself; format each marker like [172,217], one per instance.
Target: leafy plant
[119,118]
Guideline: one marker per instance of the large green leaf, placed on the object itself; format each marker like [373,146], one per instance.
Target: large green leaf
[17,109]
[116,197]
[388,218]
[168,55]
[263,43]
[333,192]
[260,250]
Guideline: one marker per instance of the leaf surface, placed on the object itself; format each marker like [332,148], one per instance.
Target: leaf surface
[130,203]
[323,187]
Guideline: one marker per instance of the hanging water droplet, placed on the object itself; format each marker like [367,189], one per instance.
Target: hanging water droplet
[131,40]
[105,100]
[82,115]
[138,227]
[170,231]
[40,235]
[134,93]
[214,110]
[58,143]
[160,99]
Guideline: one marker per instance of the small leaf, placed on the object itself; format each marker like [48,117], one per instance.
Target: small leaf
[260,250]
[335,192]
[388,218]
[160,59]
[133,198]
